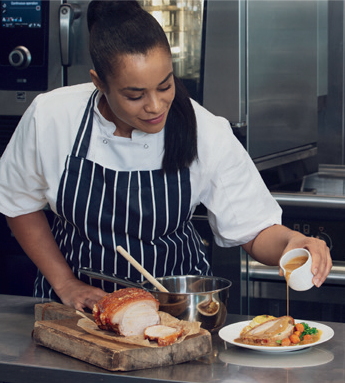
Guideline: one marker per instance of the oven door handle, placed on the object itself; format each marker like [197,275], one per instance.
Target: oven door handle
[68,13]
[309,200]
[260,272]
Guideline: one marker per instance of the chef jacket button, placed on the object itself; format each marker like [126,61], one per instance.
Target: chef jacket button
[105,141]
[146,146]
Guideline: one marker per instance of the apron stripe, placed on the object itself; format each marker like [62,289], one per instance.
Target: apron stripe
[189,251]
[72,241]
[165,269]
[88,204]
[126,226]
[179,199]
[175,252]
[100,238]
[155,227]
[140,209]
[197,255]
[100,226]
[113,223]
[154,212]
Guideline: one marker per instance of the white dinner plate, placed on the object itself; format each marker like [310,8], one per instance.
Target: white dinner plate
[231,332]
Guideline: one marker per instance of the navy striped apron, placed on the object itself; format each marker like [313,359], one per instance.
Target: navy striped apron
[146,212]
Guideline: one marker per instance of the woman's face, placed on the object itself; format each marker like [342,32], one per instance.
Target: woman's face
[140,94]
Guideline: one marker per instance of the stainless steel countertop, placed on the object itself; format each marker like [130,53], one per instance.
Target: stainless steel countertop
[23,361]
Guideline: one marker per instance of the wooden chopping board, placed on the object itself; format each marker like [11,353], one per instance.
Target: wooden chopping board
[56,328]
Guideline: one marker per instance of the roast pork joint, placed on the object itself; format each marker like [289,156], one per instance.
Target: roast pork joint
[127,311]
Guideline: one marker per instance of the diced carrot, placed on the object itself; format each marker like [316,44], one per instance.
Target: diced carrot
[298,333]
[299,327]
[285,342]
[294,339]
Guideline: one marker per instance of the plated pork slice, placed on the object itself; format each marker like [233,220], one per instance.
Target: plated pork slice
[269,332]
[127,311]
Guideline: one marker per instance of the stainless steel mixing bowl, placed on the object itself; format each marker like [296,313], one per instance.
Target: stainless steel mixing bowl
[194,298]
[190,297]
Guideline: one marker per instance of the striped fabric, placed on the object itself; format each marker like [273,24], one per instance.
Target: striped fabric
[146,212]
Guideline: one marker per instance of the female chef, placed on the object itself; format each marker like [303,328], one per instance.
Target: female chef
[125,160]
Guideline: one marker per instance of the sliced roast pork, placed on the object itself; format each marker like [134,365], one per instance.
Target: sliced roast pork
[127,311]
[164,335]
[267,333]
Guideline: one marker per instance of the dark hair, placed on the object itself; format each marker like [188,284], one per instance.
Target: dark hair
[123,27]
[180,147]
[117,28]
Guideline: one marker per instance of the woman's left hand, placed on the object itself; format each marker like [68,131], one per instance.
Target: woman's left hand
[321,257]
[271,243]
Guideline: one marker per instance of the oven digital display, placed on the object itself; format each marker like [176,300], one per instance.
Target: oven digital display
[21,14]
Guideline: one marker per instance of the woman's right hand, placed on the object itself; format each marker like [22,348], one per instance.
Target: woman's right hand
[77,294]
[33,233]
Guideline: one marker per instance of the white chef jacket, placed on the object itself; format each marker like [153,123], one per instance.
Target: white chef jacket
[223,177]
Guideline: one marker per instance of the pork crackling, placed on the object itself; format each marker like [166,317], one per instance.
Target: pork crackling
[127,311]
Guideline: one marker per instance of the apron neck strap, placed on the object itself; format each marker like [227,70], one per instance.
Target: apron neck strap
[82,141]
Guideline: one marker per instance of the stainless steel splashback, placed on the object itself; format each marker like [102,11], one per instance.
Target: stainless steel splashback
[332,111]
[261,74]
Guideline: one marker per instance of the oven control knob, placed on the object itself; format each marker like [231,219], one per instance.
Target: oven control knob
[20,57]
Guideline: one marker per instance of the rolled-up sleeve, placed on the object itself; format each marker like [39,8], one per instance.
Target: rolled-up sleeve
[238,202]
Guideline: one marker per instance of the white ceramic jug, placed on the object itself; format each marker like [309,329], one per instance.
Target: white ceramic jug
[301,279]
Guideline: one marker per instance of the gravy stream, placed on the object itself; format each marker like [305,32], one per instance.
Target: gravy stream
[289,267]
